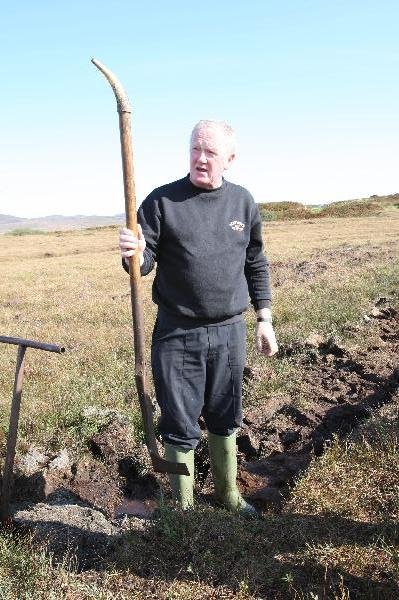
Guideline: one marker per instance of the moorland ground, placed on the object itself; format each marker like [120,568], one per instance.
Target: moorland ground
[333,533]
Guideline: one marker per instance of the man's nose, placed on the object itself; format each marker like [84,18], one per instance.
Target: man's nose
[202,156]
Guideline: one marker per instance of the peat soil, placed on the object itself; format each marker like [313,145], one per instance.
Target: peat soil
[82,506]
[322,260]
[343,388]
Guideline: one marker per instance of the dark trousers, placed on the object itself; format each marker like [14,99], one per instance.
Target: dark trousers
[198,370]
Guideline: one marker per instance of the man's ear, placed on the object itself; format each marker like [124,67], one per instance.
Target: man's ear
[229,160]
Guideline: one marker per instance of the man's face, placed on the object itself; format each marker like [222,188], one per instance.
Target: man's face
[209,158]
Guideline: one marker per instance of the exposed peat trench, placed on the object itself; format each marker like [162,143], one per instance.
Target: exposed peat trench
[278,439]
[79,505]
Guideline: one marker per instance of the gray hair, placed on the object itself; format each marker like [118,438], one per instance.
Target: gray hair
[224,128]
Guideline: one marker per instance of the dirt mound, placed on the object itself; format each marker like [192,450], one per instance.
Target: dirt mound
[71,529]
[278,442]
[78,505]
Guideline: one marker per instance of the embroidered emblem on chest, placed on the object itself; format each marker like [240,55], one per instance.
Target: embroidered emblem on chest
[237,225]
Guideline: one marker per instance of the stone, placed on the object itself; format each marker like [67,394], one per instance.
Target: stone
[376,313]
[314,340]
[62,462]
[32,461]
[68,526]
[104,415]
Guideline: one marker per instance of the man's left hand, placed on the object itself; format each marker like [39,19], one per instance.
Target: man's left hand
[266,339]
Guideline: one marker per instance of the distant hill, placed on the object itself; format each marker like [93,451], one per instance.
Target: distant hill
[58,222]
[270,211]
[292,211]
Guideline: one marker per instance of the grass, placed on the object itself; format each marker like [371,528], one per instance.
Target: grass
[336,537]
[25,231]
[26,571]
[284,211]
[289,211]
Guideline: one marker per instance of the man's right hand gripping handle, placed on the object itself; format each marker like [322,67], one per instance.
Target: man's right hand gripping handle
[129,244]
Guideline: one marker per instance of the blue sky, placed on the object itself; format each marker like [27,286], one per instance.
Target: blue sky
[312,89]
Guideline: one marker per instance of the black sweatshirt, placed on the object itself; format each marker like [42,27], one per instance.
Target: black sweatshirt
[208,249]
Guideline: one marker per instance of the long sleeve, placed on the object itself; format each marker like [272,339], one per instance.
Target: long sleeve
[256,265]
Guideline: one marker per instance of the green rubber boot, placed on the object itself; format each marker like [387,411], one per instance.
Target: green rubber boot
[182,485]
[223,455]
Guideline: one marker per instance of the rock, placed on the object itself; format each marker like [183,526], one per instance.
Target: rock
[376,313]
[32,461]
[103,415]
[61,462]
[314,340]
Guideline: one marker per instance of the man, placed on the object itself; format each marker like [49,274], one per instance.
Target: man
[205,235]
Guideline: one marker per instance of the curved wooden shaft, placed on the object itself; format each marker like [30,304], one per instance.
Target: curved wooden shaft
[124,110]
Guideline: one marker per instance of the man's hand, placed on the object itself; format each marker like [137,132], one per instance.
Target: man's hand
[129,243]
[266,339]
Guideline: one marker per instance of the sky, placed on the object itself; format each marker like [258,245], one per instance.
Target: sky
[311,88]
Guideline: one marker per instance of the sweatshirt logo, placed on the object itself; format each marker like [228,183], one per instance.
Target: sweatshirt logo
[237,225]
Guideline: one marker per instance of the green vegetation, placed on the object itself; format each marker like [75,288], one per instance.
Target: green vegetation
[26,572]
[284,211]
[25,231]
[288,211]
